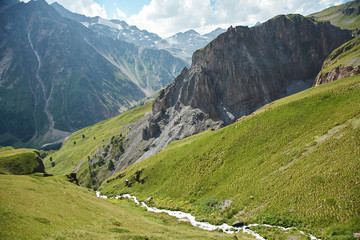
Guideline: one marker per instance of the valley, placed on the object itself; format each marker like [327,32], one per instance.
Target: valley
[109,131]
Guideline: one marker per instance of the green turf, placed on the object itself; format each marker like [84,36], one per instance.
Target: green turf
[34,207]
[293,163]
[20,161]
[347,54]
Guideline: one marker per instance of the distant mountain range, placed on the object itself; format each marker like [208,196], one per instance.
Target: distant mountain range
[181,45]
[188,42]
[115,29]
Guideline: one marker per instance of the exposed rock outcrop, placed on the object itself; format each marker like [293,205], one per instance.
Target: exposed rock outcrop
[336,74]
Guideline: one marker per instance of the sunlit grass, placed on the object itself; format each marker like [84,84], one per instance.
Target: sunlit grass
[34,207]
[295,160]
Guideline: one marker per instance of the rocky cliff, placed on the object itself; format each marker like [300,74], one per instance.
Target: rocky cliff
[238,72]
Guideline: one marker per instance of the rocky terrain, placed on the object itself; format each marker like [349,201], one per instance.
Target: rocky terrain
[238,72]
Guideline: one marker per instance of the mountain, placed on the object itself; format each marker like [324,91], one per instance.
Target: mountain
[4,3]
[346,16]
[115,29]
[342,62]
[293,162]
[181,45]
[238,72]
[188,42]
[57,75]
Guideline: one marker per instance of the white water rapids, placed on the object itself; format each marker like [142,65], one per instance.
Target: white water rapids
[205,225]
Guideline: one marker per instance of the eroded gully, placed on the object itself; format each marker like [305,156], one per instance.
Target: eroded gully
[42,85]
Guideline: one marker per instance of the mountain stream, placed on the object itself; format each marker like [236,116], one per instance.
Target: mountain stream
[205,225]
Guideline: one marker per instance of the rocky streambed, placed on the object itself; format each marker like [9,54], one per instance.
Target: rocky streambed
[205,225]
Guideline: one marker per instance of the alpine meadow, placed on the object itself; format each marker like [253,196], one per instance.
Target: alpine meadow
[111,131]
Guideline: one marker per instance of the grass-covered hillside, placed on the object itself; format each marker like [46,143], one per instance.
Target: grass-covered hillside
[347,54]
[294,162]
[76,151]
[346,16]
[20,161]
[35,207]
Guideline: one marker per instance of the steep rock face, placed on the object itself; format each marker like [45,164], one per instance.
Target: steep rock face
[240,71]
[342,62]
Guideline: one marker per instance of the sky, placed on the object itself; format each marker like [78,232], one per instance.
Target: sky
[167,17]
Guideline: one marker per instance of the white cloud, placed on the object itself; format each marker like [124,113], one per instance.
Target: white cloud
[166,17]
[120,14]
[86,7]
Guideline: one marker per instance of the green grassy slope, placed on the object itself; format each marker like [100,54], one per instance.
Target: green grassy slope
[294,162]
[20,161]
[345,16]
[85,142]
[34,207]
[347,54]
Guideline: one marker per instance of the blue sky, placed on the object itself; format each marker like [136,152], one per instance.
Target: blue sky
[167,17]
[129,7]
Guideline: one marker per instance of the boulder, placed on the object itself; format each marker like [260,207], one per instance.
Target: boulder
[148,199]
[237,224]
[184,220]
